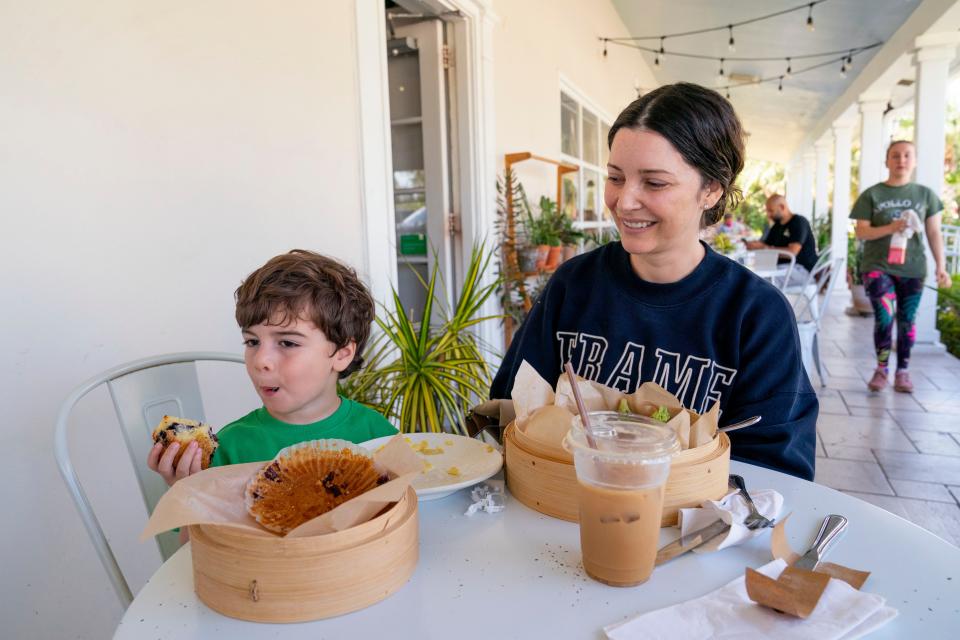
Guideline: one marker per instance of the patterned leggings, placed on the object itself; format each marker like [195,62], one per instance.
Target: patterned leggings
[884,290]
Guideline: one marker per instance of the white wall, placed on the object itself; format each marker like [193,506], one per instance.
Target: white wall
[153,154]
[535,44]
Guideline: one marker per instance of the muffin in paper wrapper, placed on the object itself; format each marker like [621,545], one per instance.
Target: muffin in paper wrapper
[545,413]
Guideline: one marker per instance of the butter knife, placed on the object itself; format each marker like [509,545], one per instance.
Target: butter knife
[833,525]
[693,539]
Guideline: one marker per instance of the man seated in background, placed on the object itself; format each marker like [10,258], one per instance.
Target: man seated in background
[790,232]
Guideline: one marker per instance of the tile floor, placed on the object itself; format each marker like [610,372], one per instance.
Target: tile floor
[898,451]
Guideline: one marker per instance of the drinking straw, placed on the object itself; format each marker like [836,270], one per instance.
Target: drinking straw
[580,407]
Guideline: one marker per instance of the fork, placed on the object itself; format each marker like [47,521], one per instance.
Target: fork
[754,520]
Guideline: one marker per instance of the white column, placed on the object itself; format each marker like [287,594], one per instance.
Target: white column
[794,178]
[842,138]
[872,105]
[934,53]
[806,193]
[887,128]
[823,148]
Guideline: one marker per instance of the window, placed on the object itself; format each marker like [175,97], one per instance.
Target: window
[583,142]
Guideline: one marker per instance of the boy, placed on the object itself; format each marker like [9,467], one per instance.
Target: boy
[305,320]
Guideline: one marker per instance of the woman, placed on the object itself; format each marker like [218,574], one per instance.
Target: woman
[660,305]
[894,278]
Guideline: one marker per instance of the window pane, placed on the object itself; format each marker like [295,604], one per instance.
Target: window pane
[605,149]
[569,129]
[591,183]
[569,204]
[590,134]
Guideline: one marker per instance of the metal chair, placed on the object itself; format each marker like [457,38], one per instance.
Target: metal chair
[811,285]
[810,318]
[143,391]
[766,264]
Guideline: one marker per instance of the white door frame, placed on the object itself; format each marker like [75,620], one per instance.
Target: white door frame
[473,59]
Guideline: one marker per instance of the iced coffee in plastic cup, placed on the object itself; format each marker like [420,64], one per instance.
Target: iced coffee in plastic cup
[621,484]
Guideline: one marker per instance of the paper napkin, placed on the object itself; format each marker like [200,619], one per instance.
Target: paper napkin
[732,509]
[843,613]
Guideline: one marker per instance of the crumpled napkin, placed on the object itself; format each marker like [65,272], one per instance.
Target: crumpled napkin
[486,498]
[843,613]
[732,509]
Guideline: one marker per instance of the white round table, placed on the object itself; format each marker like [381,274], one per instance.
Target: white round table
[517,574]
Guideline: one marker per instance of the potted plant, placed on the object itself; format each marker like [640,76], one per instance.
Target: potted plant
[426,376]
[550,227]
[570,237]
[861,303]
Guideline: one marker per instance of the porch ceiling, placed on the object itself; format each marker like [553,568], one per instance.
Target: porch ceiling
[776,121]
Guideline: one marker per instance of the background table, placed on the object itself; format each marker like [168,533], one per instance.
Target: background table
[517,574]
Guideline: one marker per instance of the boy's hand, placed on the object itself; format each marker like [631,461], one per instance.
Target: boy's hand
[161,461]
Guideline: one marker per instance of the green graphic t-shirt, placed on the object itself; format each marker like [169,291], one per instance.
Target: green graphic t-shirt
[882,204]
[259,436]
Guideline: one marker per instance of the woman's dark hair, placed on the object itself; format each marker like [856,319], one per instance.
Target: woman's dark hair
[702,127]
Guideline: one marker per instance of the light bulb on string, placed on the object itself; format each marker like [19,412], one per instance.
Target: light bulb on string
[604,47]
[656,59]
[663,54]
[789,68]
[728,94]
[843,68]
[731,44]
[780,86]
[721,74]
[810,17]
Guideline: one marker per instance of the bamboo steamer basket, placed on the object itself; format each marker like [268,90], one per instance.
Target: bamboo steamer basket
[273,579]
[549,485]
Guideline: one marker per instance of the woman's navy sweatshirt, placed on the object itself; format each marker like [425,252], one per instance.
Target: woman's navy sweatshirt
[721,333]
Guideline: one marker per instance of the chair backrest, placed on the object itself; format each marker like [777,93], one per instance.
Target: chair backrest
[834,270]
[766,262]
[143,392]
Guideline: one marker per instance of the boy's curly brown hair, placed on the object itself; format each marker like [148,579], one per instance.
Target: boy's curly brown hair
[304,284]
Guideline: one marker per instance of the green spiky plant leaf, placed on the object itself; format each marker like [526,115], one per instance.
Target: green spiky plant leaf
[423,376]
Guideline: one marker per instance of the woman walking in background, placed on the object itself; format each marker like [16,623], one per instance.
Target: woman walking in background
[891,217]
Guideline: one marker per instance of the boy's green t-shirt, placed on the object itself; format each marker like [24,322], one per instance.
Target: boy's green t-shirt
[882,204]
[259,436]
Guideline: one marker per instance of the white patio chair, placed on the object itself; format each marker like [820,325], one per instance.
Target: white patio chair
[766,264]
[143,391]
[811,285]
[810,318]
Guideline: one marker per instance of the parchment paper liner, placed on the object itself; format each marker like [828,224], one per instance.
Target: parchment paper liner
[796,591]
[216,496]
[531,392]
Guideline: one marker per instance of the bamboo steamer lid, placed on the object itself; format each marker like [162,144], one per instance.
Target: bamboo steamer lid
[274,579]
[550,486]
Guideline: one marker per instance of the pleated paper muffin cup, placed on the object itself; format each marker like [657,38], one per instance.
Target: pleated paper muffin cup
[306,480]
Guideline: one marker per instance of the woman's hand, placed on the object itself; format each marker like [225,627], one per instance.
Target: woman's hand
[944,280]
[161,461]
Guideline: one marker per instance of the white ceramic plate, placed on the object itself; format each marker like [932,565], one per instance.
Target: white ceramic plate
[474,460]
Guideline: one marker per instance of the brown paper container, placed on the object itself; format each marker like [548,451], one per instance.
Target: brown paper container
[549,485]
[796,591]
[273,579]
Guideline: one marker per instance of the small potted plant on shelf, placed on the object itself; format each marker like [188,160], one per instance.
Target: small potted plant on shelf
[570,237]
[550,228]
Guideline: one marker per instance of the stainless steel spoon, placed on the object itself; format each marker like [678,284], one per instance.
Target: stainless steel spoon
[749,422]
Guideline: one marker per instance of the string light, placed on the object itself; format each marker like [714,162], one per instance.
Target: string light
[780,86]
[731,45]
[843,69]
[789,68]
[604,47]
[728,94]
[721,70]
[656,60]
[810,17]
[663,54]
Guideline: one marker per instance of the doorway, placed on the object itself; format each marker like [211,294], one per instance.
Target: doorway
[423,129]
